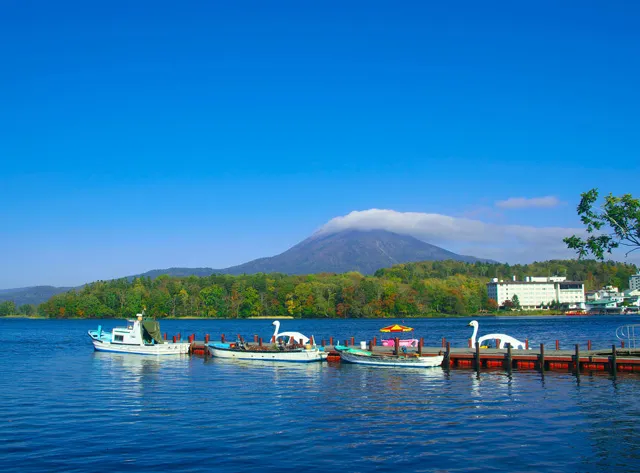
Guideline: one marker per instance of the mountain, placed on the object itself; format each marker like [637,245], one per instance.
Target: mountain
[31,295]
[349,250]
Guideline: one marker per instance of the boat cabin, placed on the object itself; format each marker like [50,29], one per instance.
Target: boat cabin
[137,332]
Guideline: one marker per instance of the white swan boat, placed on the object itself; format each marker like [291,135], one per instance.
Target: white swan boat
[405,360]
[282,352]
[139,337]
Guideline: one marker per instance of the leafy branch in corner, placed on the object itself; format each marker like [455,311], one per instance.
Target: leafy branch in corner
[615,222]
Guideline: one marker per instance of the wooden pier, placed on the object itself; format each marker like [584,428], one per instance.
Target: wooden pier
[613,360]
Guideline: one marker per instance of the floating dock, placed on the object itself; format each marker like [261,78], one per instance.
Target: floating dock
[611,360]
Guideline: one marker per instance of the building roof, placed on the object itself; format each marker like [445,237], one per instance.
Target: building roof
[602,302]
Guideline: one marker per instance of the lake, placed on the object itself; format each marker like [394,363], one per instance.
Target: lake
[66,408]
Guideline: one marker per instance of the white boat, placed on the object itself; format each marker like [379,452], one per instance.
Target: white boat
[405,360]
[139,337]
[242,351]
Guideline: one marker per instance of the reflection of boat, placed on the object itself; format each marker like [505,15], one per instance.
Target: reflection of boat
[395,328]
[139,337]
[405,360]
[277,352]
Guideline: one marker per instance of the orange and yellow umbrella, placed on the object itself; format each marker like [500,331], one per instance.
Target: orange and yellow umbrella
[396,328]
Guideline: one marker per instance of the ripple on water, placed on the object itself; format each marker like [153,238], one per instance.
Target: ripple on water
[66,408]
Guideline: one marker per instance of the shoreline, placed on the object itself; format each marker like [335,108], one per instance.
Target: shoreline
[289,317]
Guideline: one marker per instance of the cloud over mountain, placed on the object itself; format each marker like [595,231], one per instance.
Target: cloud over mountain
[512,243]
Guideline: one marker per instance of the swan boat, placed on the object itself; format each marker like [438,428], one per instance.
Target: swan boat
[139,337]
[406,360]
[278,352]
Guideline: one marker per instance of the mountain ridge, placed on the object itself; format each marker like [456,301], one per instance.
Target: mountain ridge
[364,251]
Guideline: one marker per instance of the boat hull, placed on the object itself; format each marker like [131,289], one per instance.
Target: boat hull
[160,349]
[294,356]
[389,361]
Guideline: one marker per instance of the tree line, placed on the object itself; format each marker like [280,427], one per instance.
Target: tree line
[404,290]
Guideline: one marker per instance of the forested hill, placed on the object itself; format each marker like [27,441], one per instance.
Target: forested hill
[405,290]
[30,295]
[595,274]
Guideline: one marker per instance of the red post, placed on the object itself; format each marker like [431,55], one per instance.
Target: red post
[260,341]
[323,343]
[273,339]
[179,336]
[174,339]
[588,344]
[557,344]
[312,341]
[420,343]
[375,341]
[353,341]
[165,335]
[206,338]
[469,343]
[622,343]
[526,343]
[331,341]
[222,338]
[255,339]
[396,345]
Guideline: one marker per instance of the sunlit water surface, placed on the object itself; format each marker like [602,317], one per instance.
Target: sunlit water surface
[65,408]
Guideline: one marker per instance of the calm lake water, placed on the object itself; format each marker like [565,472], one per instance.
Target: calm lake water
[66,408]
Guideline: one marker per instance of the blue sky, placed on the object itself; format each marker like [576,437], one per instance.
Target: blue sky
[143,135]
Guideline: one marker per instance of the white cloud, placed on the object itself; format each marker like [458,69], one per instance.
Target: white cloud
[506,243]
[524,203]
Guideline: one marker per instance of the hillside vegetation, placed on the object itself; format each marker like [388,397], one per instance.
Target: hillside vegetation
[405,290]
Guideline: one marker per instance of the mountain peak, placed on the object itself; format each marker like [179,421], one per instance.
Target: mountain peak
[346,250]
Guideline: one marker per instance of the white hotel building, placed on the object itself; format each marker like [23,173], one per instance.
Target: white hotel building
[538,292]
[634,282]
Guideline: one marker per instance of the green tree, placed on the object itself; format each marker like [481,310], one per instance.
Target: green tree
[213,300]
[7,308]
[615,222]
[27,309]
[516,302]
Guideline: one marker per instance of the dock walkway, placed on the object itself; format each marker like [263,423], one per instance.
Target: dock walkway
[611,360]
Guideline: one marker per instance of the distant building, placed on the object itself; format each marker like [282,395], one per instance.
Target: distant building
[634,282]
[538,292]
[609,300]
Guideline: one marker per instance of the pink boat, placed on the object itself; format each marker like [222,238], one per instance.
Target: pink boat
[395,328]
[410,342]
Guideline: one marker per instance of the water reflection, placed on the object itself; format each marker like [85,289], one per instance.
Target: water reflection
[129,374]
[136,366]
[77,410]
